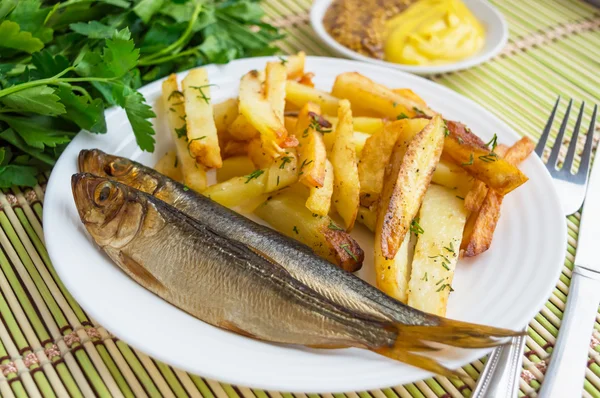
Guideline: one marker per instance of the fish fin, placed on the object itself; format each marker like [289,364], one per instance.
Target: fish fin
[419,361]
[232,327]
[458,334]
[143,276]
[415,338]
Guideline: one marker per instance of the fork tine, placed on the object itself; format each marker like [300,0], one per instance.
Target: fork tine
[539,149]
[573,145]
[586,156]
[559,137]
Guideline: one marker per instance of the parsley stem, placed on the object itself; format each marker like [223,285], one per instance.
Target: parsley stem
[50,80]
[176,46]
[168,58]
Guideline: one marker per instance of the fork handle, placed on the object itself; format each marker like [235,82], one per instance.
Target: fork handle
[500,377]
[568,362]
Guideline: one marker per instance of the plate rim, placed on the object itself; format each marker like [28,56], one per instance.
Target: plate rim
[319,7]
[235,379]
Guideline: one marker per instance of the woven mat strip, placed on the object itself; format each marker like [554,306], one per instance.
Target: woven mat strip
[40,314]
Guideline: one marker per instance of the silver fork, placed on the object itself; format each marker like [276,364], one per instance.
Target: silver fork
[500,377]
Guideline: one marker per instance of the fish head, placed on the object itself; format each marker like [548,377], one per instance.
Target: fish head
[111,212]
[120,169]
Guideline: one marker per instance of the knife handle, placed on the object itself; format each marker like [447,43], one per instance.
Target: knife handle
[566,371]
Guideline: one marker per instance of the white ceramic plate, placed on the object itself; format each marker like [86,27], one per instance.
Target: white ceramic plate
[493,21]
[504,287]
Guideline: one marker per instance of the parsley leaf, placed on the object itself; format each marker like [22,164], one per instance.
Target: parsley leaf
[87,115]
[138,113]
[12,37]
[93,29]
[38,99]
[37,133]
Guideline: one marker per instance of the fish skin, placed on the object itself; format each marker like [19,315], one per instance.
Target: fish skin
[332,282]
[214,278]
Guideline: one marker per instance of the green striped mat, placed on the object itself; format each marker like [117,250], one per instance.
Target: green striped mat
[50,347]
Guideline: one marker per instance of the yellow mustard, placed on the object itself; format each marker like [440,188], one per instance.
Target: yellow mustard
[433,32]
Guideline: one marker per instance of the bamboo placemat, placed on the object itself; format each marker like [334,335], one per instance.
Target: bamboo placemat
[50,347]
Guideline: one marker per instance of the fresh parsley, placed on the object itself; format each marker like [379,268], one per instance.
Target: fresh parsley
[64,62]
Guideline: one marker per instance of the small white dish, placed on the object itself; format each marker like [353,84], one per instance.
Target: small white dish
[495,25]
[504,287]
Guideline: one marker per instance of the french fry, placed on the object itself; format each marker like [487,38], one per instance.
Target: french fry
[203,141]
[408,93]
[194,175]
[312,153]
[481,163]
[275,85]
[257,154]
[169,166]
[320,233]
[393,274]
[362,92]
[478,238]
[294,65]
[376,155]
[234,167]
[306,79]
[225,113]
[235,148]
[290,123]
[406,181]
[235,191]
[299,95]
[284,171]
[346,190]
[319,198]
[241,129]
[359,141]
[368,125]
[475,197]
[367,217]
[259,113]
[442,219]
[453,177]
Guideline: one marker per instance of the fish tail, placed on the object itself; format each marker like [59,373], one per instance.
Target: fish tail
[417,338]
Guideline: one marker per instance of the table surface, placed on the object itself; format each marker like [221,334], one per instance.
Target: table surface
[50,347]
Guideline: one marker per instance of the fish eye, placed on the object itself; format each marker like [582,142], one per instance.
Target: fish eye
[103,192]
[118,167]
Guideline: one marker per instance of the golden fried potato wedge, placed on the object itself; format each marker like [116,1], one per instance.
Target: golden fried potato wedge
[406,180]
[257,154]
[234,167]
[482,224]
[346,185]
[290,123]
[275,86]
[441,219]
[367,217]
[234,148]
[169,166]
[393,274]
[362,92]
[294,65]
[320,233]
[203,141]
[312,152]
[408,93]
[453,177]
[482,163]
[376,155]
[259,113]
[284,171]
[365,124]
[475,197]
[319,198]
[194,175]
[241,129]
[360,140]
[299,95]
[233,192]
[225,113]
